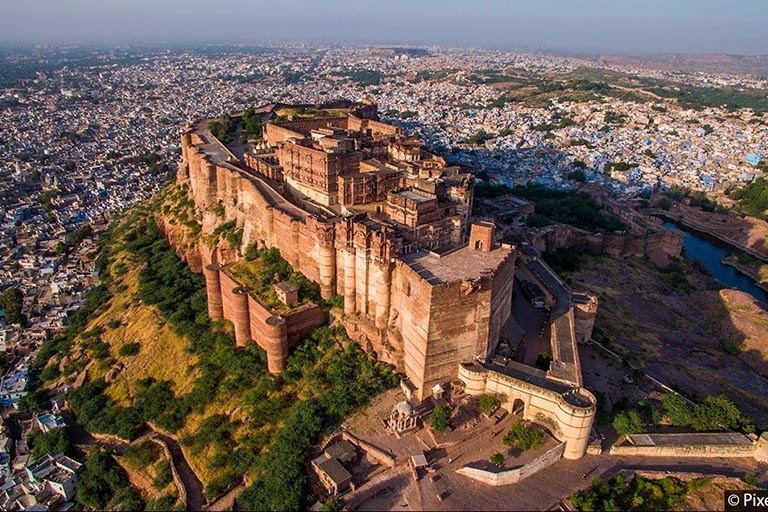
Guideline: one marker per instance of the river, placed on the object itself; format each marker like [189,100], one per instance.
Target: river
[711,253]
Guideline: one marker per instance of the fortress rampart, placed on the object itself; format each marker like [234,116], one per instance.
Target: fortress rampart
[417,296]
[252,321]
[568,412]
[657,244]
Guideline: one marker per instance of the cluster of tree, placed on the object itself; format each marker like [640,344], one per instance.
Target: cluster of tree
[341,378]
[546,127]
[713,414]
[524,437]
[143,454]
[581,142]
[73,239]
[104,485]
[578,174]
[11,302]
[61,342]
[753,198]
[46,199]
[618,166]
[155,401]
[54,441]
[336,373]
[486,190]
[700,199]
[611,117]
[689,96]
[565,259]
[251,124]
[363,77]
[488,402]
[267,267]
[568,207]
[480,137]
[223,129]
[674,277]
[635,494]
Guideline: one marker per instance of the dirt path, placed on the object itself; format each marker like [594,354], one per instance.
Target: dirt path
[192,484]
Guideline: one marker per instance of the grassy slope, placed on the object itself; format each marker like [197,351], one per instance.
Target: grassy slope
[229,431]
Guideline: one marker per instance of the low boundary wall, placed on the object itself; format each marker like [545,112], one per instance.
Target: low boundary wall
[512,476]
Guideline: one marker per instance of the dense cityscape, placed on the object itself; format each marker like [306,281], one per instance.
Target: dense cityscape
[87,133]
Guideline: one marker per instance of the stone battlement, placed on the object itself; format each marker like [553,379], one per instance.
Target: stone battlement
[415,284]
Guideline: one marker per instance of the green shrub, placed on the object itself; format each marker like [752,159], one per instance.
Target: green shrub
[163,475]
[129,349]
[497,459]
[143,454]
[730,347]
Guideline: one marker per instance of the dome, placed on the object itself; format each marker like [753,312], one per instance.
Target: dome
[404,408]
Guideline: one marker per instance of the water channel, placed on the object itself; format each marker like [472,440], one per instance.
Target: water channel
[711,253]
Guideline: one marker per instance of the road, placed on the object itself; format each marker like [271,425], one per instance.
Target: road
[534,323]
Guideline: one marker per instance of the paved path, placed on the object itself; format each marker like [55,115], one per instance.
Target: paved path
[548,487]
[538,492]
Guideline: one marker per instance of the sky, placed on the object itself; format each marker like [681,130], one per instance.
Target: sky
[590,26]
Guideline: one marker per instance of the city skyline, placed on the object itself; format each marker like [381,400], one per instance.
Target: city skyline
[595,26]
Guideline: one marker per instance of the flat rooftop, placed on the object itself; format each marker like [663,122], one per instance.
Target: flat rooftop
[459,265]
[690,439]
[414,196]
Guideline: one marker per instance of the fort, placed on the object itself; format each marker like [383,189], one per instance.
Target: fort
[374,218]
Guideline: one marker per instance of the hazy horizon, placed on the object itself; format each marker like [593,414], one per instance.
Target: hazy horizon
[589,26]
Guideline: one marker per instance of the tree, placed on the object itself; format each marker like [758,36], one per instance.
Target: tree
[488,402]
[717,413]
[578,175]
[636,494]
[497,459]
[332,505]
[55,441]
[524,437]
[11,301]
[440,418]
[628,423]
[677,410]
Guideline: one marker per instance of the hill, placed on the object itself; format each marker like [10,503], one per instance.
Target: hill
[144,351]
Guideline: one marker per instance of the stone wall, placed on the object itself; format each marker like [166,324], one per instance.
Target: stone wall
[677,447]
[253,322]
[275,132]
[657,244]
[512,476]
[567,419]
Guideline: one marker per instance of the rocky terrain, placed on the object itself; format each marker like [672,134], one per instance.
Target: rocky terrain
[700,342]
